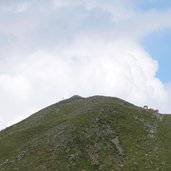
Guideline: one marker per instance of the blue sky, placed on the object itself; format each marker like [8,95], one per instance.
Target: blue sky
[146,5]
[54,49]
[158,45]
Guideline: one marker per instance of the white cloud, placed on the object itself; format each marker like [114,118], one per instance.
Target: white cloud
[23,7]
[19,7]
[82,59]
[115,68]
[64,3]
[15,92]
[120,10]
[125,12]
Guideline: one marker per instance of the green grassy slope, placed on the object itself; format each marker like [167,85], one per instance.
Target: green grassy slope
[88,134]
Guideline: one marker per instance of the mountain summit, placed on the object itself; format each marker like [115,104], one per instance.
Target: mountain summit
[88,134]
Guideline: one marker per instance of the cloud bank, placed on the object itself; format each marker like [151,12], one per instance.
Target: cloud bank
[78,47]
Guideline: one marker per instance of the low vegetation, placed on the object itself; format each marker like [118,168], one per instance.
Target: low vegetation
[88,134]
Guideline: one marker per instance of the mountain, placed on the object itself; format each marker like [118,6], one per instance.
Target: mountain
[88,134]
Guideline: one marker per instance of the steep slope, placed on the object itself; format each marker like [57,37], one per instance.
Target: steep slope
[88,134]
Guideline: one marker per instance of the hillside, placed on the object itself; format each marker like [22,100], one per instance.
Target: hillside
[88,134]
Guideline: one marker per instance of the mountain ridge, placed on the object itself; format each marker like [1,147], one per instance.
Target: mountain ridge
[94,133]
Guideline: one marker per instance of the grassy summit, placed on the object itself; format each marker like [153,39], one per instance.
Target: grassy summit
[88,134]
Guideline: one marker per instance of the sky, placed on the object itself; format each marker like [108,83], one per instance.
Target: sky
[51,50]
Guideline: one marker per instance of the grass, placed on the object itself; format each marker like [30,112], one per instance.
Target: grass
[88,134]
